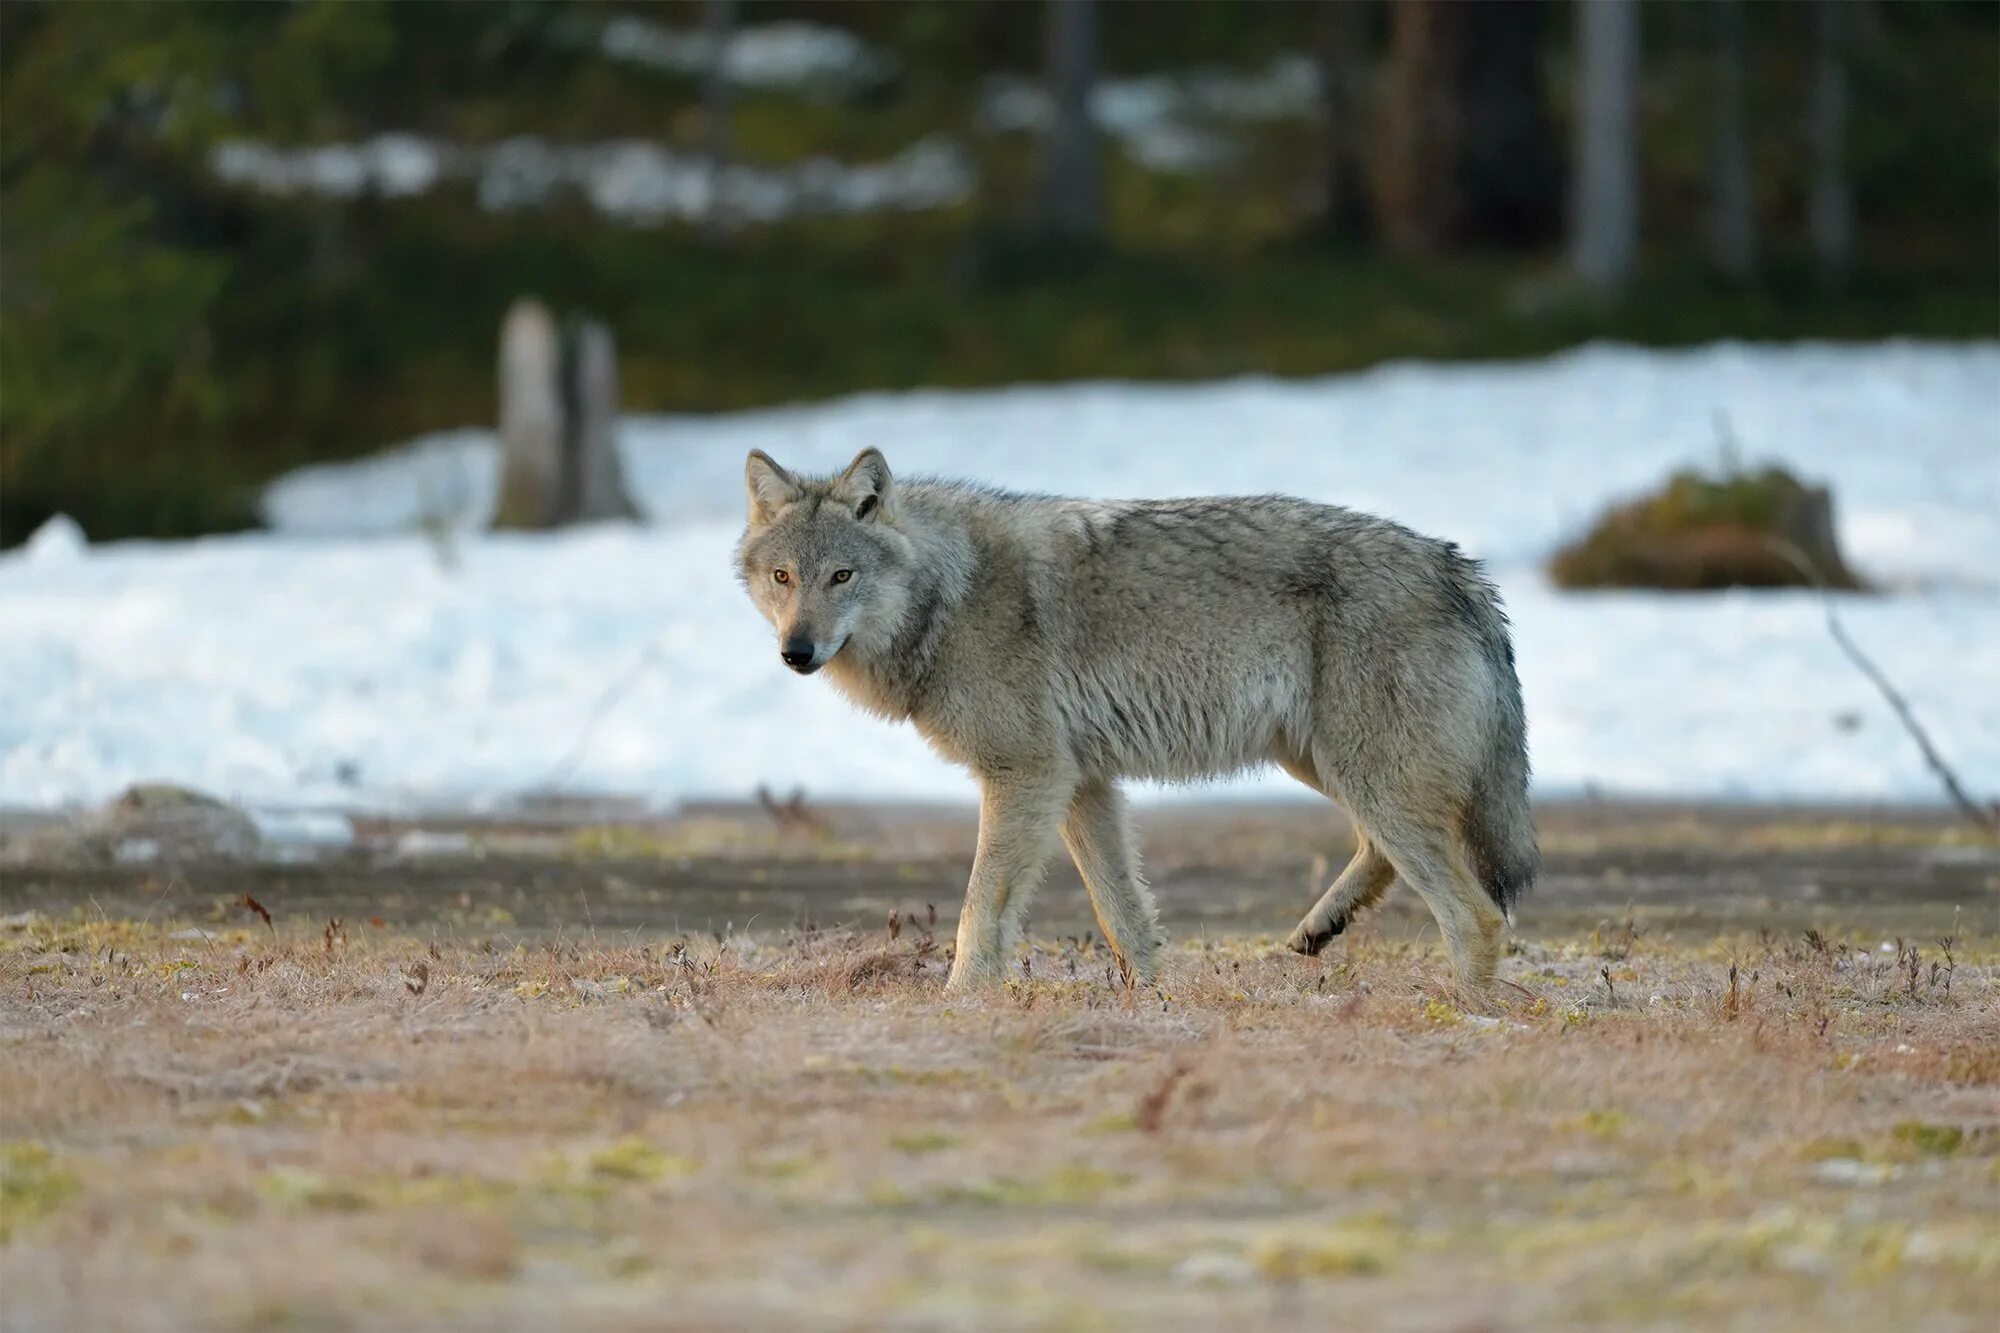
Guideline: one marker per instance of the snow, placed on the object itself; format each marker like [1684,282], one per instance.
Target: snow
[810,57]
[391,165]
[635,181]
[1175,122]
[640,181]
[58,541]
[451,480]
[314,667]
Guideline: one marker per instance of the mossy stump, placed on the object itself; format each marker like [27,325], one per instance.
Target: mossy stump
[1763,529]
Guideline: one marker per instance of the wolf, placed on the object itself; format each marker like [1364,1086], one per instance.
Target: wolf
[1054,646]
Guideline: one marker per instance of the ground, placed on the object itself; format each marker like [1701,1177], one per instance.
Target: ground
[1728,1085]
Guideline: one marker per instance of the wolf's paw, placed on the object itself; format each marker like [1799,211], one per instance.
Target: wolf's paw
[969,976]
[1312,936]
[1140,967]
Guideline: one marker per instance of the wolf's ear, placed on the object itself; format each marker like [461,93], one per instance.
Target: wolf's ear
[865,485]
[771,487]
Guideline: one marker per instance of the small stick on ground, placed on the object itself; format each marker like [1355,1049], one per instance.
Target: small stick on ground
[1985,816]
[792,814]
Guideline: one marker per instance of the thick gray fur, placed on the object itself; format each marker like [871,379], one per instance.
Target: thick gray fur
[1054,646]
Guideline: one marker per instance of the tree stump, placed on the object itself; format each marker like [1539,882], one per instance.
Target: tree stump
[558,423]
[593,475]
[531,419]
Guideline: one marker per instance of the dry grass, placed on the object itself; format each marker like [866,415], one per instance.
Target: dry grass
[344,1127]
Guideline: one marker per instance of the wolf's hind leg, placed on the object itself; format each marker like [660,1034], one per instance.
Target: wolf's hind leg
[1366,878]
[1432,865]
[1361,884]
[1018,816]
[1099,839]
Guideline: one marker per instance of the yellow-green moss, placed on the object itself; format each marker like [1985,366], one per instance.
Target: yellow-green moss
[635,1159]
[33,1184]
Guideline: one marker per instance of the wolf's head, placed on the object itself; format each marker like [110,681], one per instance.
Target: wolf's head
[824,559]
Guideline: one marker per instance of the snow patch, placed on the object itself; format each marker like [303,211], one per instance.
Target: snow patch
[1509,459]
[629,180]
[306,669]
[394,166]
[809,57]
[1178,122]
[450,480]
[58,541]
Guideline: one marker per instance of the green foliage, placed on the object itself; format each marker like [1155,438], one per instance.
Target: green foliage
[118,262]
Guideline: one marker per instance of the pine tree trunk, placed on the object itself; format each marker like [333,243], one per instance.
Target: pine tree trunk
[1072,205]
[1733,225]
[1418,131]
[1832,208]
[1346,214]
[719,25]
[1604,216]
[1469,155]
[1510,169]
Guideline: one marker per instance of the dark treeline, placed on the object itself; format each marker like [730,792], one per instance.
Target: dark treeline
[1477,179]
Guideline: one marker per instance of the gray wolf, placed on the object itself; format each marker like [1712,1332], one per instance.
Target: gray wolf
[1054,646]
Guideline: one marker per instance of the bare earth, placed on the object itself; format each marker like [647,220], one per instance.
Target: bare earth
[692,1073]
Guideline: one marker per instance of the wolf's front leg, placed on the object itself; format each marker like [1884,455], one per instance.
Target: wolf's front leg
[1018,816]
[1099,839]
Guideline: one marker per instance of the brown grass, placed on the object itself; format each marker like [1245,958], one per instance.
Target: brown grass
[352,1128]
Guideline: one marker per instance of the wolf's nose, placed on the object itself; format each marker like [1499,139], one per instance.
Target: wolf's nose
[796,652]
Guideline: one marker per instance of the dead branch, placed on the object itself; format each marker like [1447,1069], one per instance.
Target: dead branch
[1987,817]
[613,694]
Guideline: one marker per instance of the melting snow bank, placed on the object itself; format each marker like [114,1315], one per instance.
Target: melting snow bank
[279,668]
[270,669]
[809,57]
[630,180]
[1177,123]
[1507,458]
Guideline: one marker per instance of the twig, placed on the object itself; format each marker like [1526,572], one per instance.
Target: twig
[1984,816]
[1732,450]
[598,711]
[790,814]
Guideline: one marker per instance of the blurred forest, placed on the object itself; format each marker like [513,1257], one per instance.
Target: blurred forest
[1468,180]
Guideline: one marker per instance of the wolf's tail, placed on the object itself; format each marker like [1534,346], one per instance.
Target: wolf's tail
[1496,824]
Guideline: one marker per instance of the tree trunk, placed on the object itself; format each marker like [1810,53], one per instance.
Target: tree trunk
[1832,208]
[1417,130]
[1345,213]
[1072,203]
[1604,217]
[1733,225]
[1469,152]
[1510,162]
[718,25]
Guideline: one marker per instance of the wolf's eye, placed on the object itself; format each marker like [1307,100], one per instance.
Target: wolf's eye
[842,575]
[781,576]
